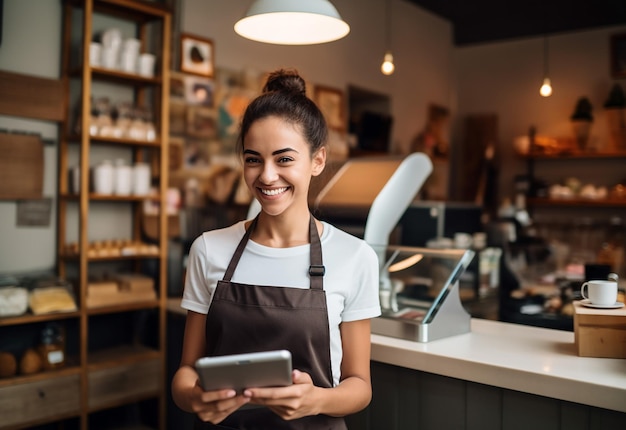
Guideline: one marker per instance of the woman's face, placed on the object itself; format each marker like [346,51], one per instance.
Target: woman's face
[278,165]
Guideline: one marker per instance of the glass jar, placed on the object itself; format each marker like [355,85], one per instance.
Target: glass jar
[52,347]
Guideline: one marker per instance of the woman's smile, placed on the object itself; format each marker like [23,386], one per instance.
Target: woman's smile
[273,191]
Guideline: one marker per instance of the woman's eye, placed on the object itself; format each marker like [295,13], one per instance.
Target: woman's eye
[251,160]
[285,159]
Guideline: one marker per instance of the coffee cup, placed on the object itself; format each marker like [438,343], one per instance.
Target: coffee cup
[601,293]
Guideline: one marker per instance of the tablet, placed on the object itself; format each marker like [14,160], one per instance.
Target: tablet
[240,371]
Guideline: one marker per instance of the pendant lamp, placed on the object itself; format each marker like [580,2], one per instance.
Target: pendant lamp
[546,87]
[292,22]
[387,68]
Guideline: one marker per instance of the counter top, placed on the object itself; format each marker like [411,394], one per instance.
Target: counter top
[529,359]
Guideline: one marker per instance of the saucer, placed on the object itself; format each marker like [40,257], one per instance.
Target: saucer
[615,305]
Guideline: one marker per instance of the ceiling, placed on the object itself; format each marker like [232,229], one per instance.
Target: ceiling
[482,21]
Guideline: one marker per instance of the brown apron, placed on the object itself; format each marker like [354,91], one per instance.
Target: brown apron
[250,318]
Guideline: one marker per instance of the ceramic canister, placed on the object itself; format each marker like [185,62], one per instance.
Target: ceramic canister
[141,179]
[103,178]
[123,178]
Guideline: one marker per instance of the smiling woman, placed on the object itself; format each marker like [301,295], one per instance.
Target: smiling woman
[293,283]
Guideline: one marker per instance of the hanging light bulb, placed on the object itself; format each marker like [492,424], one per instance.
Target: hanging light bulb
[387,67]
[546,87]
[288,22]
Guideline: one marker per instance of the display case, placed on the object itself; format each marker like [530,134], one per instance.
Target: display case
[419,293]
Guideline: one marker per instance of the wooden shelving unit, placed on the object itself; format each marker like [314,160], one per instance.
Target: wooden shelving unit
[117,358]
[596,156]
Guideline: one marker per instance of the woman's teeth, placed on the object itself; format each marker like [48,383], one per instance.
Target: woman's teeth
[274,191]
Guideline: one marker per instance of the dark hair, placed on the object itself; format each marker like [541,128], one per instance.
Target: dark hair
[284,96]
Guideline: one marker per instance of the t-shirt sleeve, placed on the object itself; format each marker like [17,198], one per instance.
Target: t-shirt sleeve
[362,302]
[197,293]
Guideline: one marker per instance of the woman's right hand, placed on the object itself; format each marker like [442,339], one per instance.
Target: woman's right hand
[215,406]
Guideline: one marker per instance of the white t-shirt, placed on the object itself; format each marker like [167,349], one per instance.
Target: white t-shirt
[350,280]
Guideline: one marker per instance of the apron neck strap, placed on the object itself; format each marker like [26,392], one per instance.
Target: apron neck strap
[316,269]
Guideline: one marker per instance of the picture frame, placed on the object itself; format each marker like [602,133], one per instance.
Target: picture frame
[331,102]
[618,55]
[197,55]
[199,91]
[201,122]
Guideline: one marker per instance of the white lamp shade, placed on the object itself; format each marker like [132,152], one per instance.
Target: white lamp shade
[292,22]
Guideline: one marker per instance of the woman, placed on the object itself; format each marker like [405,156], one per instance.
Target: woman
[282,281]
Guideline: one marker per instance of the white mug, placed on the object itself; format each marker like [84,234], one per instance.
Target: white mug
[123,179]
[95,54]
[103,180]
[603,293]
[145,64]
[141,179]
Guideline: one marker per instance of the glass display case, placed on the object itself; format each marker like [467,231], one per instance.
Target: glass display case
[419,293]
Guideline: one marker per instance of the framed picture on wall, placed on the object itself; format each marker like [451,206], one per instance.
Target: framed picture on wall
[196,55]
[331,103]
[618,55]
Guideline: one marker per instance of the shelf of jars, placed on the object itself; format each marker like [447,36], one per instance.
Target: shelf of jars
[577,202]
[575,155]
[118,141]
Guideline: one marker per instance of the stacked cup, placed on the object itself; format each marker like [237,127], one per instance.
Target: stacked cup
[129,55]
[111,44]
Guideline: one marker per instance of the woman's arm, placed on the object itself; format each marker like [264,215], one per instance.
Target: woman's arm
[354,392]
[187,393]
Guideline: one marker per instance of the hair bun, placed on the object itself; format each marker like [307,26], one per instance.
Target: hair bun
[288,81]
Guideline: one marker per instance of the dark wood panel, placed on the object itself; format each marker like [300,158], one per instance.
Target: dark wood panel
[484,407]
[31,97]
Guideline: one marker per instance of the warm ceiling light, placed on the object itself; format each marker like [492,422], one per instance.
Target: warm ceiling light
[387,67]
[546,88]
[292,22]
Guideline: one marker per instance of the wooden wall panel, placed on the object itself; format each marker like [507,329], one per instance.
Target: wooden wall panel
[31,97]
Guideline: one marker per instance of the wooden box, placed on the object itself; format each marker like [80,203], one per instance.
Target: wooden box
[41,399]
[115,385]
[600,332]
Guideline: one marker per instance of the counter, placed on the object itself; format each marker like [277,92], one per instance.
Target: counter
[522,358]
[526,359]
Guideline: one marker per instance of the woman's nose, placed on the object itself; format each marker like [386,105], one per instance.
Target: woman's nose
[269,173]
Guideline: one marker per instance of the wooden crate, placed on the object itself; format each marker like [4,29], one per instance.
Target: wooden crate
[600,332]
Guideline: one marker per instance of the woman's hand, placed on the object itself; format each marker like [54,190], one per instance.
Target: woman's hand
[295,401]
[215,406]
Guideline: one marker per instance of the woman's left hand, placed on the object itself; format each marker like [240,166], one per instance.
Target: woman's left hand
[295,401]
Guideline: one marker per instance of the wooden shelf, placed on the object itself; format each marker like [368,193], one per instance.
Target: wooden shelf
[120,355]
[576,155]
[124,307]
[115,141]
[112,258]
[40,376]
[29,318]
[111,197]
[577,202]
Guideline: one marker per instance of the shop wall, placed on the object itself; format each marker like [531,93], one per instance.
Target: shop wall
[31,44]
[421,44]
[503,78]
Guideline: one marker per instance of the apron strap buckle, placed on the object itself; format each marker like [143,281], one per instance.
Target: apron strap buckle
[316,270]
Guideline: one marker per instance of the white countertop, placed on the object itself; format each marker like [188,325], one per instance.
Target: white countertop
[517,357]
[529,359]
